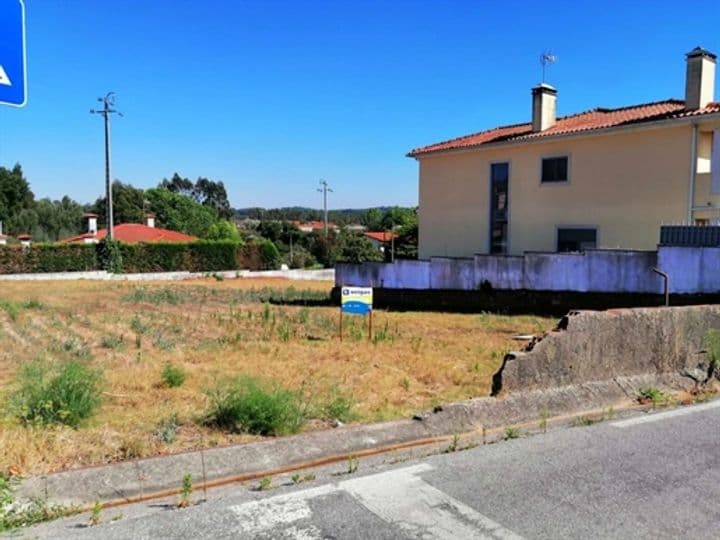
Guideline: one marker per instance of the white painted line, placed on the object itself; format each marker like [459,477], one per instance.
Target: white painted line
[399,497]
[264,515]
[421,510]
[654,417]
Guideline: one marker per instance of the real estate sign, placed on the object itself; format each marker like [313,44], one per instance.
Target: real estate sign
[356,300]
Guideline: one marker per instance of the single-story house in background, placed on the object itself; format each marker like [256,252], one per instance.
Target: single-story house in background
[604,178]
[129,233]
[380,239]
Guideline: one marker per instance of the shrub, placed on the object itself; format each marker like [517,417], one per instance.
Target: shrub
[173,376]
[255,406]
[109,256]
[340,407]
[66,393]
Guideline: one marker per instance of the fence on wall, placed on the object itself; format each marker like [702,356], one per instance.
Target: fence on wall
[692,270]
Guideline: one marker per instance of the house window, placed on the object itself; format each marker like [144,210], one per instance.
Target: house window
[578,239]
[499,178]
[555,169]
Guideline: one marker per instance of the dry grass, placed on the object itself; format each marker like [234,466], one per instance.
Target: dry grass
[214,329]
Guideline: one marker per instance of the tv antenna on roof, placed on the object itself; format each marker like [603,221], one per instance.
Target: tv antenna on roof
[547,58]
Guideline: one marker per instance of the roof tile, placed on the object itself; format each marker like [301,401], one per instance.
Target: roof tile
[594,119]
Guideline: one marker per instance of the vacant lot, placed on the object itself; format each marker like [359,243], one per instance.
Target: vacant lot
[214,330]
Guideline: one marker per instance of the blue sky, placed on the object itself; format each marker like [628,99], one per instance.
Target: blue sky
[270,96]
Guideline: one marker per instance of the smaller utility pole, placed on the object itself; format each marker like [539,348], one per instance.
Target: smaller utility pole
[324,190]
[108,103]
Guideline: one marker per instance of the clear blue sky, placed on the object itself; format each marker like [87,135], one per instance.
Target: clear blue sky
[271,96]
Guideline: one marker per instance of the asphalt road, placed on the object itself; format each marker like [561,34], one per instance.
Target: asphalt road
[650,476]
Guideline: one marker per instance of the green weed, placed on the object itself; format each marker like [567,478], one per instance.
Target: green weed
[511,432]
[339,406]
[252,405]
[265,483]
[186,490]
[66,393]
[166,430]
[173,376]
[654,395]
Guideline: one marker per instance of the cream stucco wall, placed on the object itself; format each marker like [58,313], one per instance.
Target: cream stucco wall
[625,183]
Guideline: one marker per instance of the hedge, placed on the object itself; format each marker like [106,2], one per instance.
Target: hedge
[202,256]
[48,258]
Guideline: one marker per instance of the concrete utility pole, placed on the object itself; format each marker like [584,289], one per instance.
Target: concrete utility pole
[324,190]
[108,103]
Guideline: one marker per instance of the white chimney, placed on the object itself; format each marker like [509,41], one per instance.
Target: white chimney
[544,107]
[699,78]
[150,220]
[25,240]
[92,223]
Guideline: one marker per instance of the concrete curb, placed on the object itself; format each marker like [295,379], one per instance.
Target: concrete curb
[145,478]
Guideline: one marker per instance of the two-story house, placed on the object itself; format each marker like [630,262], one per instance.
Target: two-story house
[604,178]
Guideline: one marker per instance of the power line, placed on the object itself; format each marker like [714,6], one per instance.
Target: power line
[324,190]
[108,103]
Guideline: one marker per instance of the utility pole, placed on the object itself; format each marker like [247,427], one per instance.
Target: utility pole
[324,190]
[108,103]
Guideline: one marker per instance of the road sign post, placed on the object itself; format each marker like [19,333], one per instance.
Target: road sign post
[13,72]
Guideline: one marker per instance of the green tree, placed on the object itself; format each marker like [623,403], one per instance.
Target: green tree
[180,213]
[355,248]
[58,219]
[223,230]
[129,205]
[204,191]
[15,196]
[373,219]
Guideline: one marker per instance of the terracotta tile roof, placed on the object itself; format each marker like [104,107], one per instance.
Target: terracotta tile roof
[594,119]
[381,236]
[131,233]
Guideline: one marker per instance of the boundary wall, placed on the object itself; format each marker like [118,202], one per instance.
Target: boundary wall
[692,270]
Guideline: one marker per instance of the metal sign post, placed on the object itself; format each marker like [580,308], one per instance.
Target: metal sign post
[356,301]
[13,71]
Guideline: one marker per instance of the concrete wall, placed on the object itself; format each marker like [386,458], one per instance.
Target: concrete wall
[591,346]
[624,183]
[691,270]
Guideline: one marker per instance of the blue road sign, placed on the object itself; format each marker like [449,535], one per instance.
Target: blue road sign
[13,83]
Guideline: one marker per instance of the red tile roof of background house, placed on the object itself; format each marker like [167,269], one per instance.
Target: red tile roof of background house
[381,236]
[131,233]
[594,119]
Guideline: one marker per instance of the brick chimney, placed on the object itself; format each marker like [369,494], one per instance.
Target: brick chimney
[150,220]
[544,107]
[699,78]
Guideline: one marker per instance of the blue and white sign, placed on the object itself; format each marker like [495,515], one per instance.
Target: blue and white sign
[13,81]
[356,300]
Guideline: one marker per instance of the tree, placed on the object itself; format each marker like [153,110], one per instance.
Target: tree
[373,219]
[204,191]
[178,184]
[129,205]
[355,248]
[398,218]
[213,195]
[180,213]
[223,230]
[57,219]
[15,196]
